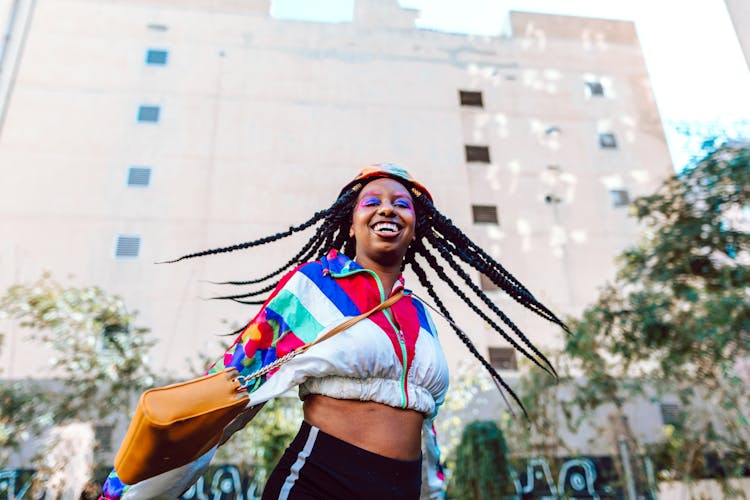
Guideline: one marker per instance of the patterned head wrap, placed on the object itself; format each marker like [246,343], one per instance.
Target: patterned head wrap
[389,170]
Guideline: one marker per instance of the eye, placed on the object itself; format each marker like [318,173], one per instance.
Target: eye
[402,203]
[370,201]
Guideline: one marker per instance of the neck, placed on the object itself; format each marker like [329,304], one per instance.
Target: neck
[387,272]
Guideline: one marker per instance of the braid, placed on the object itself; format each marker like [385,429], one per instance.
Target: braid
[441,273]
[342,201]
[332,227]
[445,226]
[421,275]
[254,243]
[299,258]
[514,292]
[477,258]
[263,290]
[479,293]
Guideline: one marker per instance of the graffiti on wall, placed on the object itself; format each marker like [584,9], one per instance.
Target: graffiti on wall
[15,483]
[223,483]
[579,477]
[564,478]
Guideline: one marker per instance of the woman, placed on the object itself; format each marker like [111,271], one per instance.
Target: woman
[370,393]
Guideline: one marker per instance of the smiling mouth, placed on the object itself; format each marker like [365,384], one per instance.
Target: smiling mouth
[386,229]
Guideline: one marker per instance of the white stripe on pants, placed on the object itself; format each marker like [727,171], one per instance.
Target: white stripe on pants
[297,466]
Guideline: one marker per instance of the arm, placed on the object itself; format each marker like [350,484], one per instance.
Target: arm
[435,480]
[256,346]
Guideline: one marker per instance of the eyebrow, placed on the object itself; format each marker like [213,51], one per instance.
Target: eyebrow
[402,194]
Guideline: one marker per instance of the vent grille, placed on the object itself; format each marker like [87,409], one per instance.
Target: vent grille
[156,57]
[471,98]
[478,153]
[139,176]
[670,413]
[148,114]
[596,89]
[484,214]
[607,141]
[503,358]
[128,246]
[620,197]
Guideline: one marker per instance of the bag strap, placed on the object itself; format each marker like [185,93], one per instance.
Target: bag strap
[352,321]
[245,380]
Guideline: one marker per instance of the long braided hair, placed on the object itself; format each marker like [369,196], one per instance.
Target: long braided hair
[435,234]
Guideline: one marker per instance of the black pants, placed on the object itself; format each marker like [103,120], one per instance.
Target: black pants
[318,465]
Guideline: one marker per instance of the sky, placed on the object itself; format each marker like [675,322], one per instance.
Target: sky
[697,69]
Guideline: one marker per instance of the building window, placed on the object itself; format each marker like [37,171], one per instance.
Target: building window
[620,197]
[607,141]
[103,437]
[149,114]
[670,413]
[484,214]
[486,284]
[478,153]
[503,358]
[156,57]
[471,98]
[128,247]
[139,176]
[594,89]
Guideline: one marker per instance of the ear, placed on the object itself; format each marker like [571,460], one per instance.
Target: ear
[351,231]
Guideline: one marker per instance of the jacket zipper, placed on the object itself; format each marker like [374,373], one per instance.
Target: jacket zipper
[399,333]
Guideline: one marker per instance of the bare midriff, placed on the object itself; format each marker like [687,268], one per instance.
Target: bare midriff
[375,427]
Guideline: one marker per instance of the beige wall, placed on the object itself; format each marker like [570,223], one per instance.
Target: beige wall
[263,120]
[739,11]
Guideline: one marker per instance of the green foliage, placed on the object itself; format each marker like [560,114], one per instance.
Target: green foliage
[96,357]
[677,315]
[468,392]
[482,469]
[541,434]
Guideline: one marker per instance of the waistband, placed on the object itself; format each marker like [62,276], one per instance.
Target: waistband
[353,456]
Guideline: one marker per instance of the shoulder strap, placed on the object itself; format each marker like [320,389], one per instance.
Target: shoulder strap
[352,321]
[245,380]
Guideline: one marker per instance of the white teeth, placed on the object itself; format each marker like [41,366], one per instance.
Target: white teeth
[386,226]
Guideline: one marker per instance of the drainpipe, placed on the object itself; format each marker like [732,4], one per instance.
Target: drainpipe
[6,68]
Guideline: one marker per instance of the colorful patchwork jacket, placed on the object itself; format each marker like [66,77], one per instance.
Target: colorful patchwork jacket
[392,357]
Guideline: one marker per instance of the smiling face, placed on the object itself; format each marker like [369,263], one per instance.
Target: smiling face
[383,223]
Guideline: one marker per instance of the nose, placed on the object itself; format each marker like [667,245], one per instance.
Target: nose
[386,208]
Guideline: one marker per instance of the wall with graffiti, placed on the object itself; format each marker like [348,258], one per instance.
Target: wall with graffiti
[572,477]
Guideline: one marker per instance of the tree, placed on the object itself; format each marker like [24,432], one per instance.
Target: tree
[676,319]
[483,469]
[98,362]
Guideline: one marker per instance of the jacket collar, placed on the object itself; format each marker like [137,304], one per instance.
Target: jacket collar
[339,265]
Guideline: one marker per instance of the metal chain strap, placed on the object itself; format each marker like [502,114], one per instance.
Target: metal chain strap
[245,380]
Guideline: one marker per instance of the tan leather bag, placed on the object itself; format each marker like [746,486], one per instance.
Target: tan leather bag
[167,421]
[176,424]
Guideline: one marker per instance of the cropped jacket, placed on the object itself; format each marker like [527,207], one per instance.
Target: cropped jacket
[392,357]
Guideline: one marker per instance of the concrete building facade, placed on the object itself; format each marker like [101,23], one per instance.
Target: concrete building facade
[136,131]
